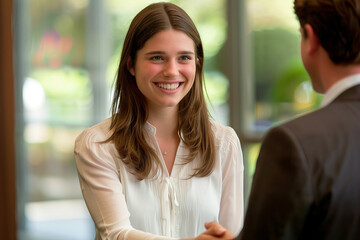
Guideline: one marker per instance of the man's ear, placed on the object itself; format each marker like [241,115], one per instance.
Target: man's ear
[311,38]
[129,65]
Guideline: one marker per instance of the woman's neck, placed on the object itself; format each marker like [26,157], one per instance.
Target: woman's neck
[166,122]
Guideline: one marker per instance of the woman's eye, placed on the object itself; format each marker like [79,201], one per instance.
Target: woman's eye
[157,58]
[185,58]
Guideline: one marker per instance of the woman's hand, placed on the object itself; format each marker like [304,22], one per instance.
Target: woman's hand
[214,231]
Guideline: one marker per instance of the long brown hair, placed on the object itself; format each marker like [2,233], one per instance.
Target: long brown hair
[129,107]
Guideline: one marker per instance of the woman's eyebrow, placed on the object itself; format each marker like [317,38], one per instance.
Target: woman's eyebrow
[162,53]
[155,53]
[187,52]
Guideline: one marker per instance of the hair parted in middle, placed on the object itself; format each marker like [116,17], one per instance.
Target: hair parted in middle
[129,107]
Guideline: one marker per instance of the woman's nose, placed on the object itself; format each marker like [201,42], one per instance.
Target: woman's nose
[171,68]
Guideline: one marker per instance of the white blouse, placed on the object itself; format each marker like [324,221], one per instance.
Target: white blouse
[164,207]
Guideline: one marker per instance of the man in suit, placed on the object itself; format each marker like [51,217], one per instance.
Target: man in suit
[307,179]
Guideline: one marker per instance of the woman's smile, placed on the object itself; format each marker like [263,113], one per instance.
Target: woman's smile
[169,86]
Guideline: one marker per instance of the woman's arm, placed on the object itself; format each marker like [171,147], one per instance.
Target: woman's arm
[232,198]
[102,189]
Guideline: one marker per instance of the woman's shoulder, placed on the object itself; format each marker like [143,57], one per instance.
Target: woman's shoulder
[92,148]
[228,145]
[223,132]
[99,132]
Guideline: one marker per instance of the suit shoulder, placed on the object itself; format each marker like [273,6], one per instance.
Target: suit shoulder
[314,121]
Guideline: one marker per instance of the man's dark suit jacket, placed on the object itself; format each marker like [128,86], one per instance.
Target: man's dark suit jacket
[307,179]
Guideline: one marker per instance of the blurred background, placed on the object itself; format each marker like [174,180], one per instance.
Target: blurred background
[66,55]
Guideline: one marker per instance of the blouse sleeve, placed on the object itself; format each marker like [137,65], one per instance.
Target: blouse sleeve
[232,198]
[102,190]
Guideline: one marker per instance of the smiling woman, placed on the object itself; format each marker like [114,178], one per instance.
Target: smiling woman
[160,148]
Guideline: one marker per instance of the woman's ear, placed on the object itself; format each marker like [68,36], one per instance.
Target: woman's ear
[129,65]
[197,62]
[311,38]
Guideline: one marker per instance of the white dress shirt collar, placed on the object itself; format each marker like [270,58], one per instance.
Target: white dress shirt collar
[339,87]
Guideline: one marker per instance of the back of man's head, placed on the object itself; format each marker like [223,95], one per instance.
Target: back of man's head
[337,25]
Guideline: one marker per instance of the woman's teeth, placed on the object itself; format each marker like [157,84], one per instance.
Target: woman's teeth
[168,86]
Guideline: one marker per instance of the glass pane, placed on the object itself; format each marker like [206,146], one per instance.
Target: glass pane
[282,86]
[58,103]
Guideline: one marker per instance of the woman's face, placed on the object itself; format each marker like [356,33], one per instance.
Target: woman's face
[165,68]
